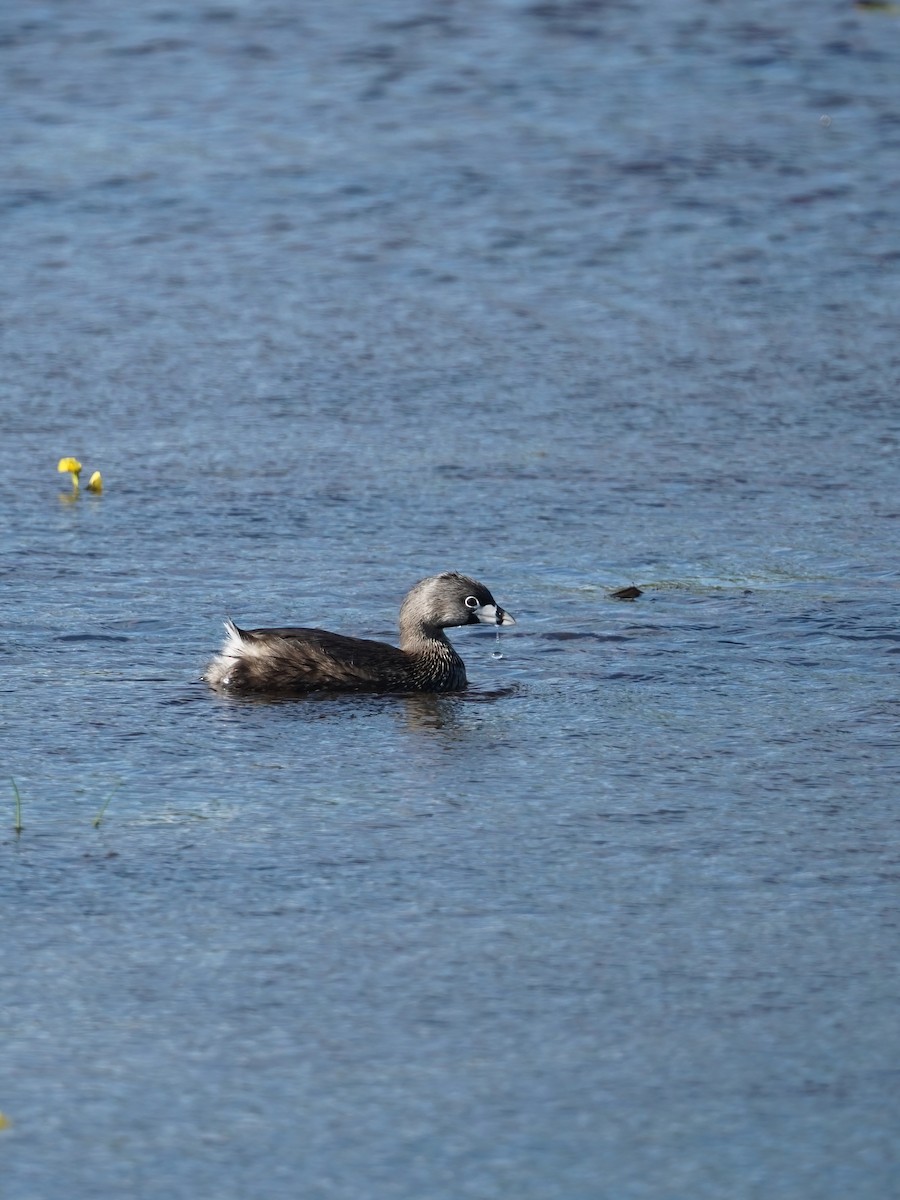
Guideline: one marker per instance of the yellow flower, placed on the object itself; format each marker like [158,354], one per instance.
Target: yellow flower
[4,1121]
[73,466]
[95,483]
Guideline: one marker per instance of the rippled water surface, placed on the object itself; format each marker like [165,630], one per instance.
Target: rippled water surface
[565,295]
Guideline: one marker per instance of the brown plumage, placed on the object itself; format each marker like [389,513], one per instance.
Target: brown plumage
[295,660]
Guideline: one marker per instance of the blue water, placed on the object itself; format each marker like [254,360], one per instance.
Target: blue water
[566,296]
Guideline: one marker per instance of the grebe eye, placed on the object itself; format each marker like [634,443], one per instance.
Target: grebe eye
[471,602]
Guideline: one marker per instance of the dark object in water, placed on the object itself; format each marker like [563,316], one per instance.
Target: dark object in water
[296,660]
[626,593]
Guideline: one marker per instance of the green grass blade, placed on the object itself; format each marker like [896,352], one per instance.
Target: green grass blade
[18,826]
[103,807]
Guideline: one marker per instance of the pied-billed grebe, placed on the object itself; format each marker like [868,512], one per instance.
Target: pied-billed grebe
[308,660]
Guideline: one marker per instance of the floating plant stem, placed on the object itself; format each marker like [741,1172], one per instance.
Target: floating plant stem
[103,807]
[18,826]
